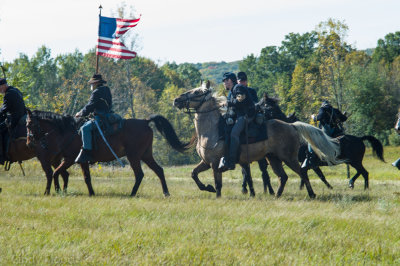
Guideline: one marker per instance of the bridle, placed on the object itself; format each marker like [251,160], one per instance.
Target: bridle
[194,98]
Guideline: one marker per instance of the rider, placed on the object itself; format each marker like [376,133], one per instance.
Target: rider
[100,104]
[243,104]
[13,104]
[330,121]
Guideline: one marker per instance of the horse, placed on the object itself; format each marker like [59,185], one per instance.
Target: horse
[282,144]
[134,140]
[18,151]
[270,109]
[352,153]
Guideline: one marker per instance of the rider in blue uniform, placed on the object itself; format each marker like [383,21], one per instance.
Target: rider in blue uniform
[100,104]
[13,104]
[244,108]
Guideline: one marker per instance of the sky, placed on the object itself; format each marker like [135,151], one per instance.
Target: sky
[188,31]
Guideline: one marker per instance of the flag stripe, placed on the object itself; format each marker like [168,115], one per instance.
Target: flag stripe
[114,56]
[105,48]
[113,47]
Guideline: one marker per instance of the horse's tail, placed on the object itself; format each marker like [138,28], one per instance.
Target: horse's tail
[326,148]
[166,129]
[377,147]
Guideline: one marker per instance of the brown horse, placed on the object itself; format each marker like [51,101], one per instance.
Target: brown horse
[134,140]
[18,151]
[282,144]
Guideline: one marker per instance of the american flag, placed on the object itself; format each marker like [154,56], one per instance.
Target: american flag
[110,30]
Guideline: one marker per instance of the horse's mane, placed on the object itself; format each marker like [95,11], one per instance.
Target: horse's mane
[62,122]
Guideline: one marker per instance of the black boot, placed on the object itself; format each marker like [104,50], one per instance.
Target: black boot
[85,156]
[228,162]
[397,163]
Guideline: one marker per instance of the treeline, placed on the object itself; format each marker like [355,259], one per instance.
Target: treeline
[306,69]
[320,65]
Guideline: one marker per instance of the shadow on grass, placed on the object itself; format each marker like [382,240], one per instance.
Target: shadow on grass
[345,198]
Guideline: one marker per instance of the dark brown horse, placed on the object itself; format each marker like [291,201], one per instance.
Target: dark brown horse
[18,151]
[134,140]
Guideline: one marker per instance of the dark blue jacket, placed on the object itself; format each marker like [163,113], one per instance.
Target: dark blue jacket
[253,94]
[100,101]
[13,103]
[244,107]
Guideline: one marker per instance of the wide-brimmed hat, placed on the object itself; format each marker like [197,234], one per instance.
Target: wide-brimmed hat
[97,78]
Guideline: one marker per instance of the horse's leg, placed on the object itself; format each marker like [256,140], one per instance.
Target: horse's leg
[62,169]
[137,169]
[247,176]
[86,175]
[218,180]
[263,165]
[360,171]
[201,167]
[276,165]
[321,176]
[55,164]
[149,160]
[244,182]
[295,166]
[46,166]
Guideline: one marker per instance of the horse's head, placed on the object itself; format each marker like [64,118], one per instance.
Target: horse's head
[292,118]
[194,98]
[32,128]
[397,125]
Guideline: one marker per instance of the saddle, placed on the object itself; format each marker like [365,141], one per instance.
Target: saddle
[110,124]
[256,130]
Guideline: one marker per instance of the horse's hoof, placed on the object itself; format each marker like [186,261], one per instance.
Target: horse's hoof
[351,185]
[210,188]
[301,187]
[330,187]
[312,196]
[47,193]
[166,194]
[244,190]
[252,194]
[0,189]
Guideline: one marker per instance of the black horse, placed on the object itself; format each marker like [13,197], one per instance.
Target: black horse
[352,152]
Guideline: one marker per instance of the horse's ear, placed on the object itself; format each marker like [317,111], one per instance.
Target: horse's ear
[208,84]
[28,112]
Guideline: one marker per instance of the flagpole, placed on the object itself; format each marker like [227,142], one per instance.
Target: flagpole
[97,56]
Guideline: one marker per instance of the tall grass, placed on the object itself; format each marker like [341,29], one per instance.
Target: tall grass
[341,226]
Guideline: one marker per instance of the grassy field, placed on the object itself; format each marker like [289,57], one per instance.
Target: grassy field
[341,226]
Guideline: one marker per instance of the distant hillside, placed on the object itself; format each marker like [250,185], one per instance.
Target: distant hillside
[213,71]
